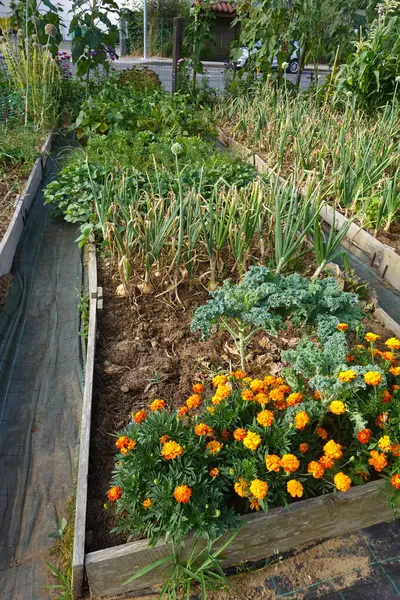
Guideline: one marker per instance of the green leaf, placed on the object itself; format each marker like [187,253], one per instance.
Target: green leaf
[161,561]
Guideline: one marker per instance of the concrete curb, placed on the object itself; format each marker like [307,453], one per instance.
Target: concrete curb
[360,243]
[78,558]
[9,243]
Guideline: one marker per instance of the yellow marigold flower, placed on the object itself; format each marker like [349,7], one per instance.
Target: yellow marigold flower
[257,386]
[252,440]
[239,434]
[277,394]
[347,376]
[122,442]
[342,482]
[139,416]
[333,450]
[294,488]
[322,433]
[203,429]
[214,447]
[301,420]
[214,472]
[157,405]
[393,343]
[164,439]
[373,378]
[337,407]
[193,401]
[223,391]
[326,462]
[261,398]
[377,460]
[211,409]
[247,380]
[147,503]
[273,462]
[241,487]
[385,443]
[290,463]
[124,451]
[198,388]
[303,447]
[342,326]
[114,493]
[259,489]
[395,481]
[316,469]
[182,494]
[395,371]
[294,398]
[371,337]
[247,395]
[171,450]
[265,418]
[219,380]
[254,505]
[183,410]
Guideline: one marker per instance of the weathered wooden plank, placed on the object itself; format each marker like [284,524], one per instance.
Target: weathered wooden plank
[78,558]
[260,536]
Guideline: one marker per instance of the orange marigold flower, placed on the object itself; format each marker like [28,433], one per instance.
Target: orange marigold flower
[363,474]
[279,381]
[266,418]
[364,436]
[316,469]
[147,503]
[373,378]
[342,482]
[241,487]
[171,450]
[350,358]
[393,343]
[326,462]
[182,494]
[333,450]
[239,374]
[269,380]
[303,447]
[193,401]
[295,488]
[239,434]
[284,388]
[387,397]
[122,442]
[395,387]
[214,447]
[261,398]
[290,463]
[183,410]
[390,356]
[395,450]
[395,371]
[371,337]
[276,394]
[395,481]
[385,443]
[247,395]
[377,460]
[254,505]
[322,433]
[342,326]
[317,395]
[131,445]
[382,419]
[259,489]
[273,462]
[257,386]
[347,376]
[219,380]
[164,439]
[203,429]
[157,405]
[337,407]
[214,472]
[139,416]
[252,440]
[301,420]
[281,404]
[124,451]
[294,399]
[198,388]
[114,493]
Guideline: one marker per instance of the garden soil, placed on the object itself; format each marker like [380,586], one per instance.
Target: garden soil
[40,396]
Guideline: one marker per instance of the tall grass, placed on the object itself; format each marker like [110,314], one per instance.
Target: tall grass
[353,156]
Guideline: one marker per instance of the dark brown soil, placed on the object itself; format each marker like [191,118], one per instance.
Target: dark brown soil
[11,183]
[392,237]
[5,284]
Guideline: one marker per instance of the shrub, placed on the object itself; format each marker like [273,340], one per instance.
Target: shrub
[258,443]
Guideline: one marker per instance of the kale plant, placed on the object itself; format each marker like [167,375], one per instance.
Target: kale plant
[265,300]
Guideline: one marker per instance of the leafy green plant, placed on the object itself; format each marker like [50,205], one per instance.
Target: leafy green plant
[62,524]
[63,587]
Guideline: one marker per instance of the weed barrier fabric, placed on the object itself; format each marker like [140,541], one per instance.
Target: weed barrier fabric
[40,395]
